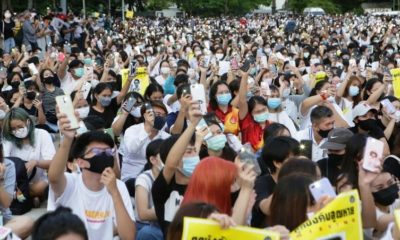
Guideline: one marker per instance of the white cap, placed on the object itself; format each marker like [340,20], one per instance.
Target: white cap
[361,109]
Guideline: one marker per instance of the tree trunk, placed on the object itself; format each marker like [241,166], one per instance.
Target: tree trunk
[30,4]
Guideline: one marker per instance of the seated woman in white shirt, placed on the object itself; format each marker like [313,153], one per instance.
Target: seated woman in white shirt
[276,112]
[145,214]
[137,137]
[165,71]
[34,146]
[348,95]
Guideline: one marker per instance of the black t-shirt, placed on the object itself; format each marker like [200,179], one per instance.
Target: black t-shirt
[31,111]
[264,186]
[109,113]
[8,29]
[167,198]
[375,133]
[330,169]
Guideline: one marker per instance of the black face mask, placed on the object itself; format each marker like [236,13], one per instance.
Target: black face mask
[367,125]
[48,80]
[324,133]
[346,62]
[387,196]
[336,159]
[100,162]
[159,122]
[14,84]
[30,95]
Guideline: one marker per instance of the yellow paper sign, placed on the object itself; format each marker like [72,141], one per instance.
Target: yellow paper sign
[129,14]
[124,75]
[199,228]
[396,81]
[340,219]
[141,81]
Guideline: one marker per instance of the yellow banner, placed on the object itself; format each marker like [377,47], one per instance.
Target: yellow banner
[340,219]
[199,228]
[129,14]
[396,81]
[141,81]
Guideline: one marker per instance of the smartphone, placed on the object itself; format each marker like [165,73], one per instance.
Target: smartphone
[33,69]
[305,148]
[86,89]
[373,155]
[199,94]
[234,64]
[321,188]
[65,106]
[37,96]
[67,48]
[246,155]
[61,57]
[265,90]
[132,68]
[246,66]
[389,106]
[264,62]
[130,103]
[202,124]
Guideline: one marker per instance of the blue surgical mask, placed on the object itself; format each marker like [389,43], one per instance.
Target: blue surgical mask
[274,103]
[189,164]
[105,101]
[87,61]
[224,99]
[79,72]
[260,118]
[249,95]
[354,91]
[217,142]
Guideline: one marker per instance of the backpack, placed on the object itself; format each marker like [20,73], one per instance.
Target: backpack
[22,201]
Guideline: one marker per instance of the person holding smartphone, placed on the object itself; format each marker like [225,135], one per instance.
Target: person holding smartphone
[136,139]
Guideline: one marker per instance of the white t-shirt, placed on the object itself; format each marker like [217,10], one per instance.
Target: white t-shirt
[95,209]
[347,110]
[146,180]
[283,118]
[42,150]
[135,143]
[174,107]
[68,83]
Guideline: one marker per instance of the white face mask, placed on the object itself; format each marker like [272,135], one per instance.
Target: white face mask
[7,15]
[83,112]
[2,114]
[219,56]
[21,132]
[198,53]
[165,70]
[94,82]
[160,166]
[136,112]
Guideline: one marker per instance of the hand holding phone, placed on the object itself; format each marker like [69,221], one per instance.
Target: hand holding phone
[199,95]
[373,154]
[65,106]
[247,156]
[321,188]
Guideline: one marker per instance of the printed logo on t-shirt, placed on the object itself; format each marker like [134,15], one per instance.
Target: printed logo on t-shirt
[96,216]
[172,205]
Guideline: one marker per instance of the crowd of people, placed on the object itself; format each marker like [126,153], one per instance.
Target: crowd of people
[288,100]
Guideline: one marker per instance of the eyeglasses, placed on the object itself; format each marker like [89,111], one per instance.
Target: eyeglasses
[98,151]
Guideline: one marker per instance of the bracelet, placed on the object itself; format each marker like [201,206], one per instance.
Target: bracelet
[323,96]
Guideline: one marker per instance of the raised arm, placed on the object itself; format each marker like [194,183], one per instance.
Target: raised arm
[178,150]
[56,176]
[243,107]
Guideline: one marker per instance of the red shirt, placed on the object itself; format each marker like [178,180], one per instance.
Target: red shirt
[230,119]
[252,132]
